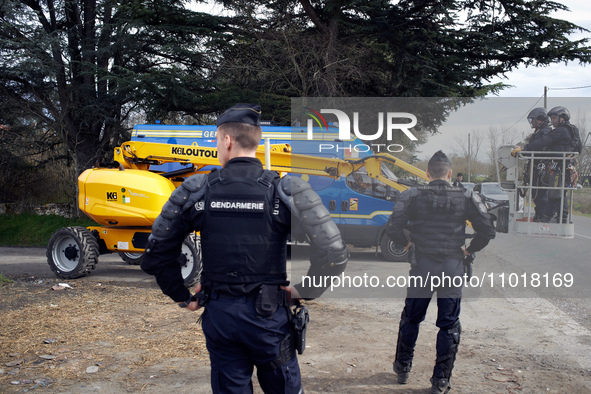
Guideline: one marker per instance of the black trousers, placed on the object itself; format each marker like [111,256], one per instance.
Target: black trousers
[238,340]
[428,267]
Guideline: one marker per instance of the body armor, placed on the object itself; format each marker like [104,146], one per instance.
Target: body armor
[439,219]
[563,144]
[237,238]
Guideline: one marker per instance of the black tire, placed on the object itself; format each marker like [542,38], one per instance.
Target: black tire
[132,258]
[190,260]
[391,251]
[72,252]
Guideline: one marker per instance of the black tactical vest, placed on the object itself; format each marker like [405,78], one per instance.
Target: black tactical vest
[237,238]
[439,214]
[564,144]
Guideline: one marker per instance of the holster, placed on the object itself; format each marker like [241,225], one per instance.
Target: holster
[299,324]
[268,300]
[468,261]
[294,340]
[202,297]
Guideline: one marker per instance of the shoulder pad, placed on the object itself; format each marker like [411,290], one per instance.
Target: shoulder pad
[298,194]
[194,183]
[404,200]
[197,185]
[408,195]
[284,191]
[191,185]
[291,185]
[182,198]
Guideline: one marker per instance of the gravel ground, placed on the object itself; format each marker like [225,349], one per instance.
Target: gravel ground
[121,337]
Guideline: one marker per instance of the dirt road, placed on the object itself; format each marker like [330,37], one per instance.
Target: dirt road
[138,341]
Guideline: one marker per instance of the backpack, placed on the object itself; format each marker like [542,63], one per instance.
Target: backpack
[576,143]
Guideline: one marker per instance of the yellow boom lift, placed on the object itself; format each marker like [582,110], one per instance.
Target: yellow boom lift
[126,200]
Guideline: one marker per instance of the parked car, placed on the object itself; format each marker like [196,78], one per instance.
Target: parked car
[469,185]
[493,191]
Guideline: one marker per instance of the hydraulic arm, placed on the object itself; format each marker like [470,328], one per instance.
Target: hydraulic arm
[141,155]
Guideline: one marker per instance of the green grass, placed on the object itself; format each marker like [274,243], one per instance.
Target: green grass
[32,230]
[29,229]
[4,280]
[582,202]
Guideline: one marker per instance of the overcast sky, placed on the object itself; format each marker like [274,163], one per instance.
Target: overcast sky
[568,85]
[559,78]
[509,109]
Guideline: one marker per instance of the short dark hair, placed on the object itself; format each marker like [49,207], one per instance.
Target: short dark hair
[439,165]
[247,136]
[438,169]
[460,174]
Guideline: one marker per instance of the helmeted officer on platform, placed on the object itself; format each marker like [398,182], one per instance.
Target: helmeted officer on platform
[245,215]
[559,139]
[435,216]
[538,120]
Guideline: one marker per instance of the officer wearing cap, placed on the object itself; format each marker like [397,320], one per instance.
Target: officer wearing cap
[435,216]
[458,181]
[245,215]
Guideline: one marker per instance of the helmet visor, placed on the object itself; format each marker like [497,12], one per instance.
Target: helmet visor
[531,122]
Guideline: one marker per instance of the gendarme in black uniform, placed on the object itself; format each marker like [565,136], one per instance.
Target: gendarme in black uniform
[244,215]
[538,119]
[458,181]
[243,241]
[436,214]
[560,139]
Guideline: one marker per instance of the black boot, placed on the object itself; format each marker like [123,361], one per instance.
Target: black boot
[447,348]
[405,347]
[439,386]
[402,372]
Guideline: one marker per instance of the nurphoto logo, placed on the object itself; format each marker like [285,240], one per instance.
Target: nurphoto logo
[388,122]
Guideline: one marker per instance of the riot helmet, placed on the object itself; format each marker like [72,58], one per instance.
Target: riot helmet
[538,114]
[560,112]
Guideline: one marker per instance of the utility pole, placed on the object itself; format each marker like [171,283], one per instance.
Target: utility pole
[545,97]
[469,156]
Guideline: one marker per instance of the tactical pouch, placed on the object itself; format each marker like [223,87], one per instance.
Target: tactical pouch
[286,350]
[266,301]
[299,323]
[286,353]
[554,180]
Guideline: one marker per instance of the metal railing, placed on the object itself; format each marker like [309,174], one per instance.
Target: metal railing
[543,171]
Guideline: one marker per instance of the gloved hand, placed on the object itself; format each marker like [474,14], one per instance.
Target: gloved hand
[515,151]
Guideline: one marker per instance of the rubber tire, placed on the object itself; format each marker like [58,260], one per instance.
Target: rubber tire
[131,258]
[72,252]
[191,260]
[392,253]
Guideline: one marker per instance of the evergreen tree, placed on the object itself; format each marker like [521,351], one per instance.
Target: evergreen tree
[78,67]
[421,48]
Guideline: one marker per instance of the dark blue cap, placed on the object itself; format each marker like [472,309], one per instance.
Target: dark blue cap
[242,113]
[439,156]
